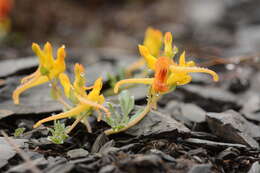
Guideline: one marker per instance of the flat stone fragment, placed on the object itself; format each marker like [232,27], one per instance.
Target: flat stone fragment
[36,100]
[7,152]
[251,105]
[99,69]
[77,153]
[231,126]
[156,123]
[255,168]
[5,113]
[186,112]
[11,66]
[24,167]
[207,143]
[205,168]
[138,91]
[213,93]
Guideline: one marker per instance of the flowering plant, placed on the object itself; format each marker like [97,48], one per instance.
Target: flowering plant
[79,104]
[52,70]
[167,75]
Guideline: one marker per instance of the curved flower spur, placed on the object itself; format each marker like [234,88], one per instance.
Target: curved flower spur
[51,70]
[5,21]
[48,70]
[153,41]
[83,104]
[167,75]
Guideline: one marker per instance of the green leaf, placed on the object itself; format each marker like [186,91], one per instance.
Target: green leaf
[58,133]
[121,73]
[44,71]
[54,94]
[120,120]
[175,50]
[136,114]
[19,132]
[111,80]
[72,97]
[126,102]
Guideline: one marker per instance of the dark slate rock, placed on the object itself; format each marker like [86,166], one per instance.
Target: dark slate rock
[61,168]
[251,105]
[24,166]
[5,113]
[255,168]
[213,144]
[214,93]
[186,113]
[139,92]
[7,152]
[101,140]
[231,126]
[76,153]
[142,163]
[164,156]
[205,168]
[108,169]
[10,67]
[108,147]
[58,165]
[255,82]
[99,69]
[228,153]
[36,100]
[158,124]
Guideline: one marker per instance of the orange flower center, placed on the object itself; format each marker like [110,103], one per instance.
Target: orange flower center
[5,8]
[161,73]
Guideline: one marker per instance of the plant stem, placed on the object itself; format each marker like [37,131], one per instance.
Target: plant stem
[88,126]
[151,104]
[59,98]
[78,119]
[133,122]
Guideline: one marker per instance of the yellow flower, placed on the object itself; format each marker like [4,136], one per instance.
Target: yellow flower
[153,42]
[84,103]
[167,73]
[48,69]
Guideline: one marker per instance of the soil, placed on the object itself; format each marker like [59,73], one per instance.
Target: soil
[198,128]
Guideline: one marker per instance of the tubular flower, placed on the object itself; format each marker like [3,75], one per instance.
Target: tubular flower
[153,42]
[48,69]
[167,73]
[84,103]
[5,8]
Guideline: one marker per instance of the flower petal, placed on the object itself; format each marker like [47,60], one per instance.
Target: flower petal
[73,112]
[65,82]
[178,69]
[153,41]
[168,50]
[148,81]
[37,80]
[150,60]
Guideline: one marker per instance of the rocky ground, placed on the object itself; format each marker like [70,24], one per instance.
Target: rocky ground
[200,127]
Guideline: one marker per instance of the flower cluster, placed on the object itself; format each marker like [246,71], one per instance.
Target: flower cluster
[167,73]
[52,70]
[80,100]
[5,8]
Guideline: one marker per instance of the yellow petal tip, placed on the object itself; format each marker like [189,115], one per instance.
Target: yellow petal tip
[168,37]
[143,50]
